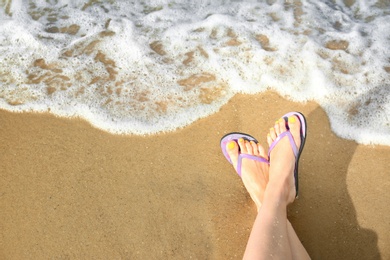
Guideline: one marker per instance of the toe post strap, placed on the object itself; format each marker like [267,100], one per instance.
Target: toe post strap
[290,138]
[249,156]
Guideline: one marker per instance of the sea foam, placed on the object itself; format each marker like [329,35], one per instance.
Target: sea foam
[148,66]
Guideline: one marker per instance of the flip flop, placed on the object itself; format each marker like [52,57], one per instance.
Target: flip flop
[297,151]
[234,137]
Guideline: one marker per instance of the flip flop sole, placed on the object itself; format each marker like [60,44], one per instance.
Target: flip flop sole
[303,134]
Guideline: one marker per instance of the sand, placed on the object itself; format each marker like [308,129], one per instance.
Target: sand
[71,191]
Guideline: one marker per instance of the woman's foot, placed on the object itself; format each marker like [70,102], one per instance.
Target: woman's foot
[282,158]
[254,173]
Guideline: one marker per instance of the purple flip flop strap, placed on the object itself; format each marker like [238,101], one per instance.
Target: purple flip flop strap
[291,139]
[248,156]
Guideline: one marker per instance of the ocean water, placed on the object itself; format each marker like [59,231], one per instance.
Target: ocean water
[139,66]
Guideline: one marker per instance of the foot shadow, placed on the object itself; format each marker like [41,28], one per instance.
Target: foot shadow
[324,216]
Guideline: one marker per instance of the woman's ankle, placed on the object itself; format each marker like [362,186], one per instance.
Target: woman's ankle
[279,191]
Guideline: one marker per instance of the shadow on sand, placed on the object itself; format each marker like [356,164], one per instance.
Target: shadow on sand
[324,216]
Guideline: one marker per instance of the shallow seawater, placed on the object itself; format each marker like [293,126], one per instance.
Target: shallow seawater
[149,66]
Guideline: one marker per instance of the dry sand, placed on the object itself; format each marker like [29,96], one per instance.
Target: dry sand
[71,191]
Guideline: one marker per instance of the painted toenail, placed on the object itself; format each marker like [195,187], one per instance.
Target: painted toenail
[291,119]
[231,145]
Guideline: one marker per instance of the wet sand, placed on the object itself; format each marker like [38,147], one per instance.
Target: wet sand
[71,191]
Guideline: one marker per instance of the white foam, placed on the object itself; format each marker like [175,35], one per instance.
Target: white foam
[144,66]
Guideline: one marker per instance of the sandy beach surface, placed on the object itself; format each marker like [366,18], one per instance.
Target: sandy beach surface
[71,191]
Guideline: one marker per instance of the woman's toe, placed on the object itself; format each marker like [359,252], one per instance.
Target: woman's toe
[282,126]
[232,150]
[262,152]
[242,145]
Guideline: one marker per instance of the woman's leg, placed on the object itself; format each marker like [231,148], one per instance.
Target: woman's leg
[255,178]
[272,235]
[298,251]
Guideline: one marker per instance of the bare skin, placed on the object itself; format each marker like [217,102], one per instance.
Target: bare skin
[272,188]
[254,174]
